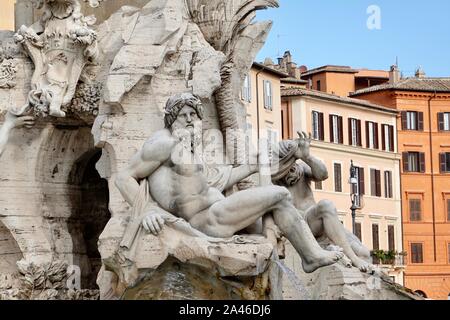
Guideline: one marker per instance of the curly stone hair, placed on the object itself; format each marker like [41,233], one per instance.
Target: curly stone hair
[178,102]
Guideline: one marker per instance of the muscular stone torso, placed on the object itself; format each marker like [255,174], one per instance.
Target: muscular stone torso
[182,190]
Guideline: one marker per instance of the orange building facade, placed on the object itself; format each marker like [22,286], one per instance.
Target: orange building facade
[343,80]
[424,142]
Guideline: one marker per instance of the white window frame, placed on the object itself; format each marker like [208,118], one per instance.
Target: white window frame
[268,95]
[354,124]
[371,135]
[246,89]
[412,120]
[315,125]
[335,126]
[387,137]
[412,164]
[446,121]
[391,185]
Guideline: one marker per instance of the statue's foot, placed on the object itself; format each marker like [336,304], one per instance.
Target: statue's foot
[57,113]
[362,265]
[323,259]
[347,262]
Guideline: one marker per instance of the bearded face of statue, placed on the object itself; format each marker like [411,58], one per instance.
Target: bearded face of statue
[187,126]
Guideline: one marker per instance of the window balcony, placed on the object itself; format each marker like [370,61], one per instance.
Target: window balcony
[389,259]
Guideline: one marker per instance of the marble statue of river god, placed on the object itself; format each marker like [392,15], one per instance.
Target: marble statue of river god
[182,189]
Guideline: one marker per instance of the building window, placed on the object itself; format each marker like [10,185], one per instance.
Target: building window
[319,87]
[372,135]
[414,162]
[375,183]
[246,89]
[448,252]
[416,253]
[375,237]
[448,210]
[388,192]
[387,138]
[359,189]
[444,159]
[337,177]
[358,232]
[444,121]
[412,120]
[318,185]
[391,238]
[354,132]
[415,210]
[268,95]
[336,132]
[317,125]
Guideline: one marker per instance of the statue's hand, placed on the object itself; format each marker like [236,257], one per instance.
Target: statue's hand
[304,143]
[153,223]
[16,122]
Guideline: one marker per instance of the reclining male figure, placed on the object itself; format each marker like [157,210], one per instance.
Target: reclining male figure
[182,188]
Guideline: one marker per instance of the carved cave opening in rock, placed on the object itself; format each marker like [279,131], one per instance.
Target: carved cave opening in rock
[90,214]
[10,252]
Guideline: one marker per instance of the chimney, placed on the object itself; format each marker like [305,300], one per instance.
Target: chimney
[394,74]
[287,57]
[268,62]
[420,73]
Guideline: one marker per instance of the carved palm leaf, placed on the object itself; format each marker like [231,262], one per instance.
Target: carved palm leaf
[221,20]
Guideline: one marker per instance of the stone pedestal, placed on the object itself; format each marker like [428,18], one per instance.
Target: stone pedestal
[176,265]
[338,282]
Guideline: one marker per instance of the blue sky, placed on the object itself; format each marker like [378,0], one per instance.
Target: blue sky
[320,32]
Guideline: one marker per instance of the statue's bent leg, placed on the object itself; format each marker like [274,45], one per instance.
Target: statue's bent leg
[242,209]
[238,211]
[357,246]
[323,219]
[296,229]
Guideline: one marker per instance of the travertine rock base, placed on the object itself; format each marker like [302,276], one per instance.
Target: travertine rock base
[175,280]
[338,282]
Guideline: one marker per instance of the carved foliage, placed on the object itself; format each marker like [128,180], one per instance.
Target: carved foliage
[8,70]
[45,282]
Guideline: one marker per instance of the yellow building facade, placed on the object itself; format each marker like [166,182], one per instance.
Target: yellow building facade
[343,130]
[7,14]
[261,95]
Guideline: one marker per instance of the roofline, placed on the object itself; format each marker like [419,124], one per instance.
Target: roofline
[270,70]
[365,91]
[287,80]
[324,69]
[372,77]
[328,97]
